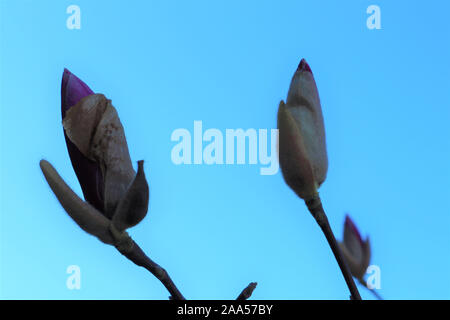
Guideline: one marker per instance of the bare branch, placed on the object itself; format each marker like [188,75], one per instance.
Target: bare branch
[247,292]
[137,256]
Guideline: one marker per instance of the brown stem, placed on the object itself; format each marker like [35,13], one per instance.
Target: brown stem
[247,292]
[137,256]
[315,207]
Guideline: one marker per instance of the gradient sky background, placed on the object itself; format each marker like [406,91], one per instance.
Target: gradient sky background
[386,102]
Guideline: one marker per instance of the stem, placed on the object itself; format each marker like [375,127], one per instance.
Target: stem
[247,292]
[137,256]
[315,207]
[376,294]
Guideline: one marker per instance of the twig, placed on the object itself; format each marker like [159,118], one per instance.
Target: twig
[315,207]
[137,256]
[376,294]
[247,292]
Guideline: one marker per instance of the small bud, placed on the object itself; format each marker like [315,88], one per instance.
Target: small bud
[134,205]
[356,252]
[85,215]
[302,146]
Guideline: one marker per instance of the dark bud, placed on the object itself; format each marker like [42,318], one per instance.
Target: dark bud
[133,207]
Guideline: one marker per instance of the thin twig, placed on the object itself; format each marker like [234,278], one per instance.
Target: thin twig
[374,292]
[247,292]
[315,207]
[137,256]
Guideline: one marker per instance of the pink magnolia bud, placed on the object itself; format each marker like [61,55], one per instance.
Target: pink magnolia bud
[116,197]
[356,251]
[302,147]
[99,153]
[94,127]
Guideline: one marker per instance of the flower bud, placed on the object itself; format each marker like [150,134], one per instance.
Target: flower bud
[302,147]
[86,216]
[134,205]
[356,252]
[96,143]
[93,126]
[99,153]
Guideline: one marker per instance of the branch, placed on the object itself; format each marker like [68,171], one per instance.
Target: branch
[138,257]
[95,223]
[247,292]
[315,207]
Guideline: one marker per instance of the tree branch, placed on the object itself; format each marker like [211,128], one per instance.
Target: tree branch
[247,292]
[138,257]
[315,207]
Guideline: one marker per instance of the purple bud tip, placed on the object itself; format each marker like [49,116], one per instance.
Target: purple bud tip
[351,225]
[304,66]
[72,91]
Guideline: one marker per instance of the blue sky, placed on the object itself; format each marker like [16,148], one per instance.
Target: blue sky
[385,97]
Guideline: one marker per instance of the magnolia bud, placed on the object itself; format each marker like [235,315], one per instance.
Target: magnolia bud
[99,153]
[93,126]
[302,147]
[356,252]
[134,205]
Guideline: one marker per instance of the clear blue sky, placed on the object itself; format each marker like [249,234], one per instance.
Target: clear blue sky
[386,103]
